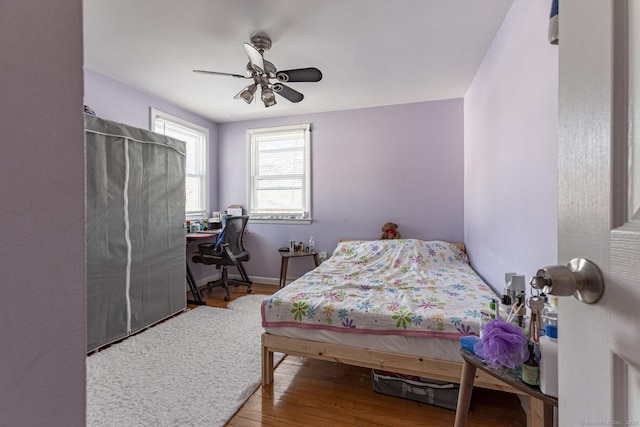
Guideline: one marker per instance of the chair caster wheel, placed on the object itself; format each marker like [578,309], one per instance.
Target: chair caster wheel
[249,290]
[226,298]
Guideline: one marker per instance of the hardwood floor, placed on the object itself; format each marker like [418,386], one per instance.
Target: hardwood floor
[319,393]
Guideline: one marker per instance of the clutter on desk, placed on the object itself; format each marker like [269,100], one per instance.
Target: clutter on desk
[526,344]
[214,222]
[214,225]
[549,349]
[515,292]
[549,361]
[468,342]
[234,210]
[531,368]
[550,311]
[296,246]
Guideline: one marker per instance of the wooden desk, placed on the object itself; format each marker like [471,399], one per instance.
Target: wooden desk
[285,262]
[540,405]
[191,281]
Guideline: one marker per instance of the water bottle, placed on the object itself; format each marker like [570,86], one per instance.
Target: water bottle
[549,361]
[312,245]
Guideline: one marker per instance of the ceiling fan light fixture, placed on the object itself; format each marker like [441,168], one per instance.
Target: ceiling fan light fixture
[268,97]
[247,93]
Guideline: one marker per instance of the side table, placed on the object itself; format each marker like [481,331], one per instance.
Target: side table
[285,262]
[540,405]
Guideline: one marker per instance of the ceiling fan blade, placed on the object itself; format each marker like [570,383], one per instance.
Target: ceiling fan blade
[300,75]
[288,93]
[217,73]
[255,57]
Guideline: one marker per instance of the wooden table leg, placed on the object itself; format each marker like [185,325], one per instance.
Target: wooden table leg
[283,271]
[464,394]
[540,414]
[316,260]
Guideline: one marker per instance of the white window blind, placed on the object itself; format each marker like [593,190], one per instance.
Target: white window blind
[279,172]
[196,139]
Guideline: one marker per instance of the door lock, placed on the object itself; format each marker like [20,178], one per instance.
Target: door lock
[580,278]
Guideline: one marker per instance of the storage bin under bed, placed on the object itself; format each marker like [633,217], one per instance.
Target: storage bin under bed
[424,390]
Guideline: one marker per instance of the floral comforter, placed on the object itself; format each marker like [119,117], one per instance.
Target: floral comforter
[400,287]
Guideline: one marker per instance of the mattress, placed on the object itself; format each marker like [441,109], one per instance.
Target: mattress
[409,296]
[429,347]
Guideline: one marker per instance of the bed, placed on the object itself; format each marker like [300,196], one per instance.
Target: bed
[395,305]
[398,305]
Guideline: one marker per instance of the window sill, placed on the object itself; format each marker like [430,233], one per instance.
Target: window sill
[276,220]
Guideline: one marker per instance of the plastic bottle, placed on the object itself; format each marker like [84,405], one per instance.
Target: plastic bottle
[504,307]
[312,245]
[550,312]
[486,316]
[549,361]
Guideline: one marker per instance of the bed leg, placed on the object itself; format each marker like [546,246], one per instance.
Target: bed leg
[267,364]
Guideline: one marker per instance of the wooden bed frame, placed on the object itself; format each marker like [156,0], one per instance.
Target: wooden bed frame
[368,358]
[395,362]
[383,360]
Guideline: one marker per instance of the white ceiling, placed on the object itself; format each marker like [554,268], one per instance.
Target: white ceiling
[371,52]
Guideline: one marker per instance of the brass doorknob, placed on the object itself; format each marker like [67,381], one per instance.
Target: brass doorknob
[580,278]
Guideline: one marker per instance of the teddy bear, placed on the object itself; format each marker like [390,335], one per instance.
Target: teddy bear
[389,231]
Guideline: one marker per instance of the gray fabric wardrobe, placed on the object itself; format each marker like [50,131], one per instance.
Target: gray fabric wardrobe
[135,204]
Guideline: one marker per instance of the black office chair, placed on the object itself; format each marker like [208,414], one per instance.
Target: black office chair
[227,251]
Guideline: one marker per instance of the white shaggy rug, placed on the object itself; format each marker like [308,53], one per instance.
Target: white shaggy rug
[249,303]
[196,369]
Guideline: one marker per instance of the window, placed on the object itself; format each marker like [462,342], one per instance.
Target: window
[279,173]
[197,170]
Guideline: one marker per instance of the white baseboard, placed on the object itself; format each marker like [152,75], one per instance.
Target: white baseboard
[255,279]
[275,281]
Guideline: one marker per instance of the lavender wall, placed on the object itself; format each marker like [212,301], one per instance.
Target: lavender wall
[115,101]
[399,163]
[510,184]
[42,273]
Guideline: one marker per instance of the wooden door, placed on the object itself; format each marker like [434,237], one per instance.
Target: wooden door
[599,209]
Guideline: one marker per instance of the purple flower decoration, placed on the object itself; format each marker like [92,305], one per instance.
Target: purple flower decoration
[464,329]
[348,323]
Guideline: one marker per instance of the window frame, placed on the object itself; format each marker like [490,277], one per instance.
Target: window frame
[252,136]
[205,177]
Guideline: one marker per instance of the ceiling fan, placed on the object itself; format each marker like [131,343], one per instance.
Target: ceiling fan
[262,72]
